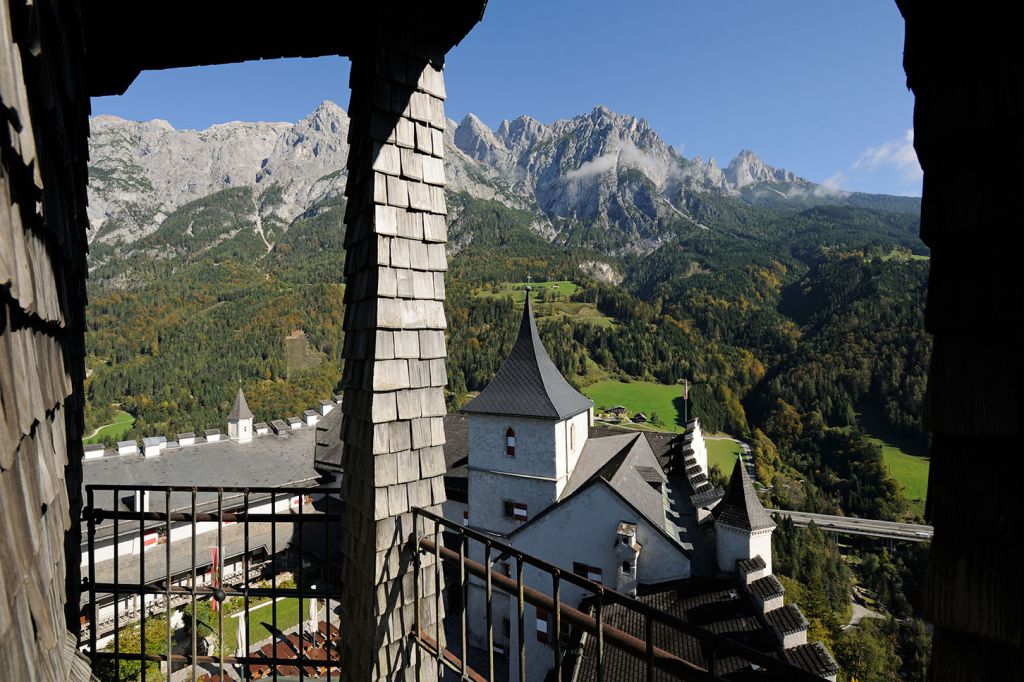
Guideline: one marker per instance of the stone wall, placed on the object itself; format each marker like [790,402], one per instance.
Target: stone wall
[42,306]
[393,405]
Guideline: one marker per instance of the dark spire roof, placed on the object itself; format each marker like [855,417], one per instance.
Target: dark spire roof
[240,410]
[528,384]
[740,507]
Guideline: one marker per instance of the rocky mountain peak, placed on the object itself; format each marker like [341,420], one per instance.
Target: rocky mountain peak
[747,168]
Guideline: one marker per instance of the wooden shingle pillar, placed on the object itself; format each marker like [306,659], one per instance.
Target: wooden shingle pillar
[393,406]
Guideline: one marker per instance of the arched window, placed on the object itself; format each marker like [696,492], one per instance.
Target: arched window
[572,437]
[510,443]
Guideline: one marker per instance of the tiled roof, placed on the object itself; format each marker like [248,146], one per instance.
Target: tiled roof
[751,565]
[240,410]
[528,384]
[740,507]
[767,587]
[788,619]
[814,658]
[712,603]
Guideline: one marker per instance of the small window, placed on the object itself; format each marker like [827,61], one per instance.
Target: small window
[465,517]
[515,511]
[506,628]
[505,568]
[510,443]
[542,625]
[626,568]
[572,437]
[588,572]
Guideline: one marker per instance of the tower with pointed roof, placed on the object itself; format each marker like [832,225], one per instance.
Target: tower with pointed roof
[527,429]
[240,419]
[743,528]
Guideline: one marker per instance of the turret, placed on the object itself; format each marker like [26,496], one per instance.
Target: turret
[240,420]
[743,528]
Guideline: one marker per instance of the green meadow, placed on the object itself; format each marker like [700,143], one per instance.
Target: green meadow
[641,396]
[117,428]
[722,451]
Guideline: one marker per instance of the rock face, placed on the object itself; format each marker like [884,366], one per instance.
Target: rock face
[601,179]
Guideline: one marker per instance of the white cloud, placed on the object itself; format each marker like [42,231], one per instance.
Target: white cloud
[832,186]
[897,154]
[598,166]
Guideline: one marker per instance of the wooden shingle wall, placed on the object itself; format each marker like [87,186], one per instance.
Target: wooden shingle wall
[393,407]
[42,297]
[963,65]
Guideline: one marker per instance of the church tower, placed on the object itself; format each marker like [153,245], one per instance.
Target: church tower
[527,429]
[240,420]
[743,529]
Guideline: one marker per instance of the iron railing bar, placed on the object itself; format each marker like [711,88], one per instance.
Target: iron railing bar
[140,502]
[238,660]
[600,637]
[263,490]
[243,622]
[226,517]
[94,615]
[326,577]
[521,612]
[117,564]
[464,593]
[556,593]
[167,581]
[220,580]
[437,600]
[490,613]
[195,625]
[649,655]
[618,638]
[158,588]
[449,659]
[298,583]
[417,588]
[724,645]
[273,578]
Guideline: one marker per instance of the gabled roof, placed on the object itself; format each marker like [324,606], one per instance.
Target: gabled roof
[740,507]
[528,384]
[240,410]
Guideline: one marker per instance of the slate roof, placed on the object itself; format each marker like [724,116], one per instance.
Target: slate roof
[714,604]
[751,565]
[814,658]
[240,410]
[740,507]
[528,384]
[788,619]
[767,587]
[327,445]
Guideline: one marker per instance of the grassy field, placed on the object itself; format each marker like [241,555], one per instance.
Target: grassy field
[641,396]
[288,611]
[723,453]
[906,460]
[517,290]
[299,353]
[117,428]
[561,291]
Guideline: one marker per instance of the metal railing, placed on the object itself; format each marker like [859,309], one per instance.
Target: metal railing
[714,647]
[311,655]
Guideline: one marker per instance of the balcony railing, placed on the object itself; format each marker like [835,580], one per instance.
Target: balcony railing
[302,654]
[657,661]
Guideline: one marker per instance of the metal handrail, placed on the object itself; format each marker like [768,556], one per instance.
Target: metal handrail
[153,520]
[716,646]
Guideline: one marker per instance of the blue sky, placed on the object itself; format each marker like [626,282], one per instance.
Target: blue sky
[813,86]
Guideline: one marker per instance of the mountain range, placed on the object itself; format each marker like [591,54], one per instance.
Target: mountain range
[600,180]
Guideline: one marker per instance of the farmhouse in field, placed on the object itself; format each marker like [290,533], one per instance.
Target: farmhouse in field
[599,503]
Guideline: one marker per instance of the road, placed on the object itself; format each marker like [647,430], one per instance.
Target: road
[854,526]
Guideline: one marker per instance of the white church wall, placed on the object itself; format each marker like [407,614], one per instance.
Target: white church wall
[571,436]
[735,544]
[535,445]
[584,530]
[488,492]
